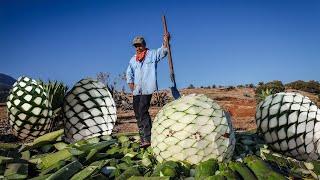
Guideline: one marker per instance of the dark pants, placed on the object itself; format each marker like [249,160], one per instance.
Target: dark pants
[141,104]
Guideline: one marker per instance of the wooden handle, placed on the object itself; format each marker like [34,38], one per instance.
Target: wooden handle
[164,22]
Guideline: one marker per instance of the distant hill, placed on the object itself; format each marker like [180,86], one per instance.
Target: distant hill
[6,83]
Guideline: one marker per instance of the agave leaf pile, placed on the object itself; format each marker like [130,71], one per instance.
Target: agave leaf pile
[120,157]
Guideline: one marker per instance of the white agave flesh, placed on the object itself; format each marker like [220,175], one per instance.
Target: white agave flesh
[89,111]
[191,129]
[28,109]
[289,125]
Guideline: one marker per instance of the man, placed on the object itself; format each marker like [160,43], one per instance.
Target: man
[142,80]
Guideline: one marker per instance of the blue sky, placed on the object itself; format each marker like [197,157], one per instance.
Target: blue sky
[222,42]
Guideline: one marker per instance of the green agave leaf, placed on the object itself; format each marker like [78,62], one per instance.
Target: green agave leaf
[149,178]
[42,177]
[60,145]
[206,168]
[89,170]
[16,171]
[6,146]
[67,171]
[131,171]
[54,158]
[44,139]
[52,168]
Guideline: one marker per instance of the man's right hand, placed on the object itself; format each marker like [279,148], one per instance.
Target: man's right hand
[131,86]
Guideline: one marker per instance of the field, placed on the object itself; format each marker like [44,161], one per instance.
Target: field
[119,156]
[239,102]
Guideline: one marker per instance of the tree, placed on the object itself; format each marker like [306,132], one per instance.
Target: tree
[190,86]
[104,77]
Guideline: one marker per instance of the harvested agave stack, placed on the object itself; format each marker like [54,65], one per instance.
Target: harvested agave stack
[119,157]
[193,128]
[290,124]
[29,109]
[89,110]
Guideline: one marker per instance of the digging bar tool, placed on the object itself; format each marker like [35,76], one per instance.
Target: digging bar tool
[174,90]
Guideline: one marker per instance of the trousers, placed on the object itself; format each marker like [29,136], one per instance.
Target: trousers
[141,104]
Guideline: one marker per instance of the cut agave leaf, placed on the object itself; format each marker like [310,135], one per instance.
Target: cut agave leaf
[60,145]
[168,168]
[54,158]
[25,155]
[98,146]
[16,171]
[242,169]
[4,159]
[43,177]
[89,170]
[131,171]
[67,171]
[44,139]
[206,168]
[52,168]
[108,170]
[261,169]
[6,146]
[149,178]
[123,139]
[91,154]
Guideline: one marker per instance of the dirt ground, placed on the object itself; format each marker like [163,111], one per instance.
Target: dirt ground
[239,102]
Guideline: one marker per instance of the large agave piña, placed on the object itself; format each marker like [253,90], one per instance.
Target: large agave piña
[193,128]
[89,110]
[290,124]
[30,107]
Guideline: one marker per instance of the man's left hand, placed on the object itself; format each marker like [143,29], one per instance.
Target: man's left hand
[166,37]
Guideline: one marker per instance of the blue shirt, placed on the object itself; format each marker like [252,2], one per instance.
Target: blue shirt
[144,74]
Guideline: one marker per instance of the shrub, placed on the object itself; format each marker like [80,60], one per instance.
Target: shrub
[276,87]
[246,94]
[264,93]
[310,86]
[191,86]
[229,88]
[269,88]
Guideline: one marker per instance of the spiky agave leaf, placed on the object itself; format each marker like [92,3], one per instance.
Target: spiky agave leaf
[56,92]
[264,94]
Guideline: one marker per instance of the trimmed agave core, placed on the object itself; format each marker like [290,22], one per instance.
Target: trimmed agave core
[193,128]
[89,111]
[290,123]
[29,110]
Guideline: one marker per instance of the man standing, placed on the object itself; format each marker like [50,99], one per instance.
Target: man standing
[142,80]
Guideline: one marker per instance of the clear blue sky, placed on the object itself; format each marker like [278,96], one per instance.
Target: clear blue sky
[225,42]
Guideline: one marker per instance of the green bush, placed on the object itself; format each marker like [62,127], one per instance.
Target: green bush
[310,86]
[263,90]
[191,86]
[276,87]
[229,88]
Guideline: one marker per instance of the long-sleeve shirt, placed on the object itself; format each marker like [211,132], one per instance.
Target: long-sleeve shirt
[144,74]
